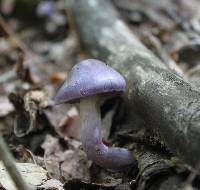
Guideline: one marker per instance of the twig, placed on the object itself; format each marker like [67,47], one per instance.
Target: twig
[9,33]
[9,163]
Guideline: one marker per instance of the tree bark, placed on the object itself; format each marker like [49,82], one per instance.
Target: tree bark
[166,103]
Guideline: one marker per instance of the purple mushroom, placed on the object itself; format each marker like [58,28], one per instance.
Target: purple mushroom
[88,81]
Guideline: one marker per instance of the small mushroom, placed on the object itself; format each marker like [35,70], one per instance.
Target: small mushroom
[89,81]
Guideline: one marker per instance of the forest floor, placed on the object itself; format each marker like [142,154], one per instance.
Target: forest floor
[38,46]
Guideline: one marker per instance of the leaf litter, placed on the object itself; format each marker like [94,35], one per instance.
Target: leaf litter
[35,60]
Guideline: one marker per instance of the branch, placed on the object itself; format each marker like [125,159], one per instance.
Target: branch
[11,168]
[163,100]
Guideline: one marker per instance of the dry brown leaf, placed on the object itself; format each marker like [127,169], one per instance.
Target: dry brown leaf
[68,164]
[65,119]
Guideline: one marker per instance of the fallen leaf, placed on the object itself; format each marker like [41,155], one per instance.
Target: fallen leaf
[68,164]
[65,119]
[33,174]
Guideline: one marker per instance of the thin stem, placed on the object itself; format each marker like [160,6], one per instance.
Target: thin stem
[113,158]
[9,163]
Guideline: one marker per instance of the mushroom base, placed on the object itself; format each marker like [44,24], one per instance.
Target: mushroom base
[113,157]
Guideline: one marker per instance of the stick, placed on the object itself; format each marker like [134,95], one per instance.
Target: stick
[9,163]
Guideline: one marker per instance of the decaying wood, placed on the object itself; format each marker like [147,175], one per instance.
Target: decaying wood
[164,101]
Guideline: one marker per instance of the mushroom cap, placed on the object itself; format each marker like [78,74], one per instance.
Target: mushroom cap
[87,78]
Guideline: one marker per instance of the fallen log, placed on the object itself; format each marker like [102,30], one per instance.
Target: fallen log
[167,104]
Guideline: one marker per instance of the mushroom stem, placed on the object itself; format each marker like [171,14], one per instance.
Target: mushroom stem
[112,158]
